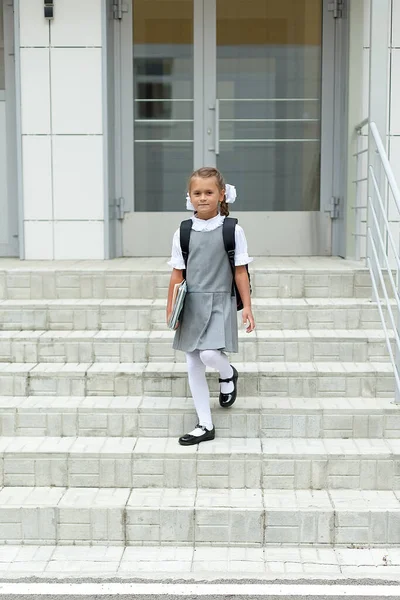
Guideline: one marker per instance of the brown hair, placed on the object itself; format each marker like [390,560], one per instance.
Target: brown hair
[205,173]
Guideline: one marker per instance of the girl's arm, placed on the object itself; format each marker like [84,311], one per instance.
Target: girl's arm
[176,277]
[242,282]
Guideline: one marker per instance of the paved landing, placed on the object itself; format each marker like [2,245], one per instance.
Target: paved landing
[155,562]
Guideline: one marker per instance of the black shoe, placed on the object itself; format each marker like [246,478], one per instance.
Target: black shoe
[226,400]
[190,440]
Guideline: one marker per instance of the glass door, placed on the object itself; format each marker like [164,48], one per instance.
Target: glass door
[238,85]
[163,79]
[264,87]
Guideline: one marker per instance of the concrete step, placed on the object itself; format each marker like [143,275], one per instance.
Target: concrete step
[171,417]
[149,278]
[143,315]
[280,463]
[367,379]
[228,518]
[359,345]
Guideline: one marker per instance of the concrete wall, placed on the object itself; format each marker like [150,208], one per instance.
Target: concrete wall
[62,129]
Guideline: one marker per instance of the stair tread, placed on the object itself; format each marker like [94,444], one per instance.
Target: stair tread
[166,404]
[126,446]
[120,335]
[277,499]
[169,369]
[160,302]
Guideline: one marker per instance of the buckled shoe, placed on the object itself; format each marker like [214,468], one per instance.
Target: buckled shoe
[226,400]
[191,440]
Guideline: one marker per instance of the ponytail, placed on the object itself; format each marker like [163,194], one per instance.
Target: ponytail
[224,209]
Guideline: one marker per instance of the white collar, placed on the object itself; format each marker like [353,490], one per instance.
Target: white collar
[207,225]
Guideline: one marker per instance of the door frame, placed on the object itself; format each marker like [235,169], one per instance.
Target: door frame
[124,114]
[14,244]
[321,231]
[205,112]
[340,153]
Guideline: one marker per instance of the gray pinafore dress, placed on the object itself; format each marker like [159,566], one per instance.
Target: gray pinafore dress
[209,316]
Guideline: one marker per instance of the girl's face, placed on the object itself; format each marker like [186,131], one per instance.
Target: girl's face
[205,196]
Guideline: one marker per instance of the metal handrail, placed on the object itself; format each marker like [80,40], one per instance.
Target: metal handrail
[381,252]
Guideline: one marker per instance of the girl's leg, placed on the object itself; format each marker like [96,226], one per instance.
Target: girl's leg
[200,392]
[219,361]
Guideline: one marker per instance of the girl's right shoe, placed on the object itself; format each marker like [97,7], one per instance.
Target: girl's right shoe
[226,400]
[190,440]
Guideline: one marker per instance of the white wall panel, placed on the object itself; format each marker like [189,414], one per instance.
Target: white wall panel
[38,240]
[76,89]
[78,177]
[396,23]
[35,91]
[77,23]
[366,23]
[395,93]
[4,221]
[36,176]
[78,240]
[365,80]
[394,157]
[62,129]
[34,28]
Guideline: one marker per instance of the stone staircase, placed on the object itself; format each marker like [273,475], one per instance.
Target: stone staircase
[93,398]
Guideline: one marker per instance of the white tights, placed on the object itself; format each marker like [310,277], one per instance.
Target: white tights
[197,362]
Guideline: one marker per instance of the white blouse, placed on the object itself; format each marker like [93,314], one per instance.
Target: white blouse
[241,255]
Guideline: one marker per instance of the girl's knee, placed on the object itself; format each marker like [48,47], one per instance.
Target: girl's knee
[210,357]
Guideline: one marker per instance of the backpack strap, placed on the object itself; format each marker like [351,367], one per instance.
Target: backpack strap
[185,231]
[228,234]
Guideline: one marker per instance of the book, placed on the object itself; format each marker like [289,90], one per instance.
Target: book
[178,299]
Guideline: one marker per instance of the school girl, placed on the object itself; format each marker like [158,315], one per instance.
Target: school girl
[208,322]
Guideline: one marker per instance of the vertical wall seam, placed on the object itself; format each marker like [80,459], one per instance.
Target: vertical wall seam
[389,116]
[104,109]
[51,149]
[18,132]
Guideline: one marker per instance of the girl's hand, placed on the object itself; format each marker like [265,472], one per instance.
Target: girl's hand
[248,318]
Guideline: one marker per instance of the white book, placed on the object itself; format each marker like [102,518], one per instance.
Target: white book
[178,299]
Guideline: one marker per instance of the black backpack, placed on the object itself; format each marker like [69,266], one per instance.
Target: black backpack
[228,234]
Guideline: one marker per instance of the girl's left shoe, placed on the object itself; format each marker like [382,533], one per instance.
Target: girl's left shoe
[191,440]
[226,400]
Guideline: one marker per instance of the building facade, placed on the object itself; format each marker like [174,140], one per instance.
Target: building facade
[106,108]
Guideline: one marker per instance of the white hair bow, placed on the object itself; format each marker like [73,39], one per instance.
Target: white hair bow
[230,196]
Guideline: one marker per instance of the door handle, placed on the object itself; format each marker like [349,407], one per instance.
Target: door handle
[217,127]
[215,108]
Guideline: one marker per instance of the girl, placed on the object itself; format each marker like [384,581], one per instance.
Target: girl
[208,322]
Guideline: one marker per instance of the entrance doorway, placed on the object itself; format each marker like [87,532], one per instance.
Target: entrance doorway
[237,85]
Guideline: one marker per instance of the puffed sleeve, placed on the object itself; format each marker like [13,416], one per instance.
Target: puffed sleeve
[176,261]
[241,255]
